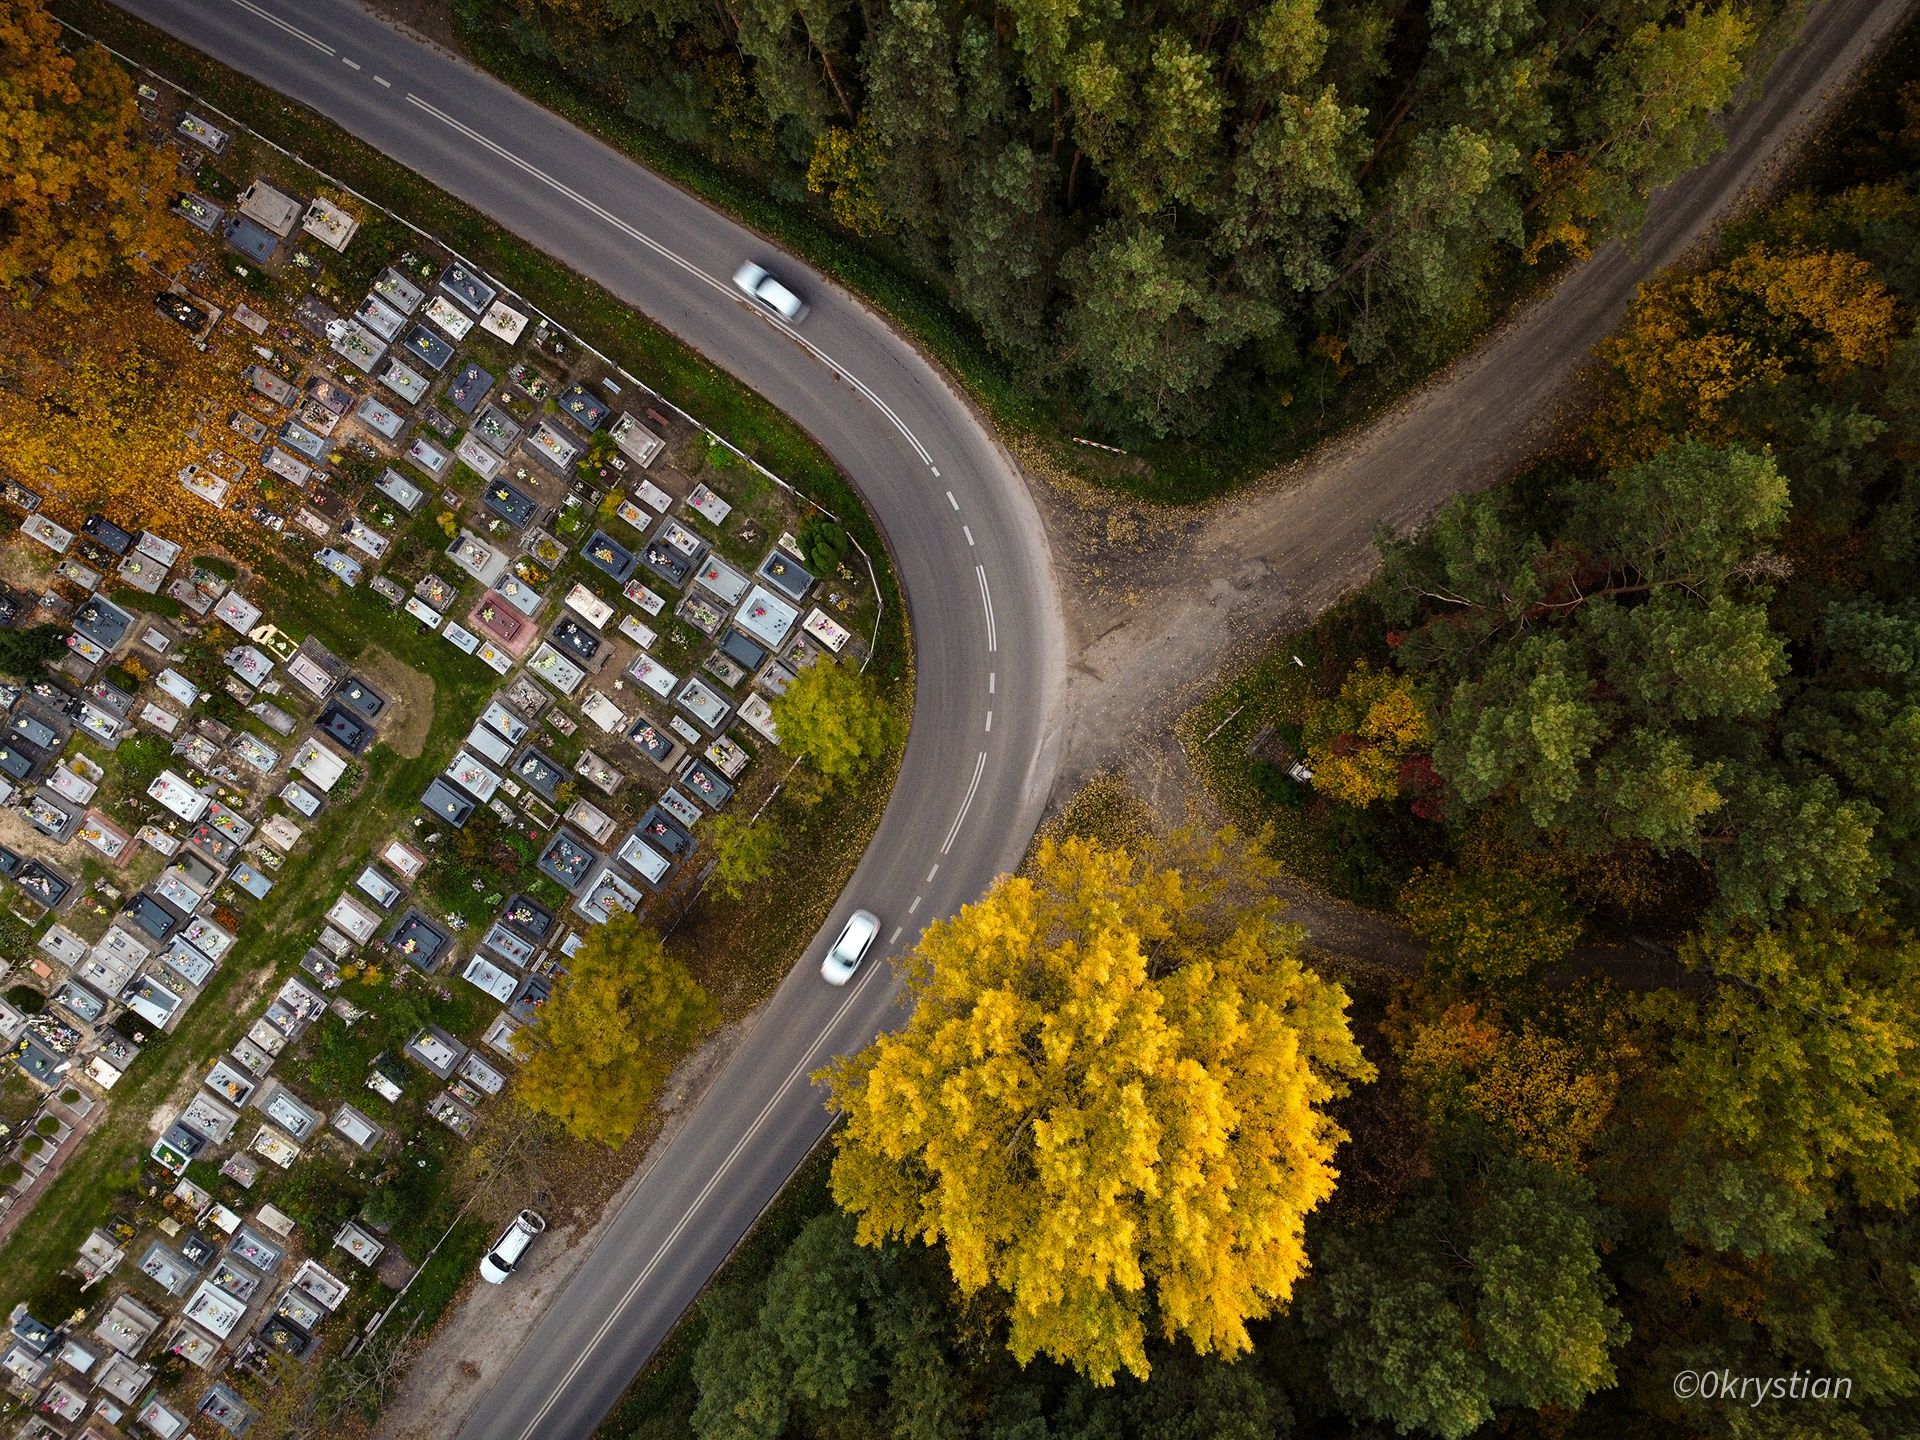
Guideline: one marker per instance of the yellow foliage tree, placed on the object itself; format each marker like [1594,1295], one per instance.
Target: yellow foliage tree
[842,168]
[617,1023]
[1691,343]
[1109,1105]
[81,193]
[1357,741]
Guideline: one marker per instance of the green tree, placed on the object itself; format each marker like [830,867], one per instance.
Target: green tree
[744,852]
[1148,327]
[1489,927]
[1108,1106]
[834,719]
[1796,1080]
[26,654]
[1484,1293]
[619,1019]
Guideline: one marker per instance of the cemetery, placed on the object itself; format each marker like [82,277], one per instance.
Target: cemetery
[415,452]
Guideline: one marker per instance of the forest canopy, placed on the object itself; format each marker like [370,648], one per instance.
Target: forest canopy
[1178,212]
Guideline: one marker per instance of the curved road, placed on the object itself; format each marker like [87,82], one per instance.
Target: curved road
[972,560]
[971,555]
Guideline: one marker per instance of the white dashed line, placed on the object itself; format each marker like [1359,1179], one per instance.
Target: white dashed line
[894,939]
[989,722]
[933,872]
[383,82]
[986,599]
[279,24]
[350,64]
[993,680]
[915,906]
[953,502]
[936,471]
[967,530]
[979,767]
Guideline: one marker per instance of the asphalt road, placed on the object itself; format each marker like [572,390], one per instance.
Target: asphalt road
[967,544]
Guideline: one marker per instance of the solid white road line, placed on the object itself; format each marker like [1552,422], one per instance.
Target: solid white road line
[979,768]
[641,237]
[803,1067]
[279,24]
[986,599]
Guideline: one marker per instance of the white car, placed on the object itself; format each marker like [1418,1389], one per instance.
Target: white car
[761,288]
[851,948]
[500,1262]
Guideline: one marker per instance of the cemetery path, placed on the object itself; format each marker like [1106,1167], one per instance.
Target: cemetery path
[1206,589]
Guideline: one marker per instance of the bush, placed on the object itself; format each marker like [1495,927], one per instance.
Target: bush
[10,1173]
[32,1145]
[26,999]
[47,1126]
[69,1096]
[824,543]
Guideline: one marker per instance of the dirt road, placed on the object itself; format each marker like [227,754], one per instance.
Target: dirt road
[1205,583]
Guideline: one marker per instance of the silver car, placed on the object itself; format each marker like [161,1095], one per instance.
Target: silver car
[504,1258]
[856,937]
[761,288]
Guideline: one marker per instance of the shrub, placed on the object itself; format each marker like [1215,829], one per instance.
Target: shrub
[10,1173]
[26,999]
[47,1126]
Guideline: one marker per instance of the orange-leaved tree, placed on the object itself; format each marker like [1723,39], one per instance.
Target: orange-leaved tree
[1692,343]
[81,191]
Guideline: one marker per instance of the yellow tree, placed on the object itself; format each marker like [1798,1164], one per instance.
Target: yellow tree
[1692,343]
[1109,1105]
[1357,741]
[1545,1095]
[617,1023]
[80,191]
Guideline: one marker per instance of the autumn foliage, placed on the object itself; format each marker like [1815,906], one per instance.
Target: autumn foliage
[104,408]
[1692,343]
[1109,1106]
[1358,741]
[81,193]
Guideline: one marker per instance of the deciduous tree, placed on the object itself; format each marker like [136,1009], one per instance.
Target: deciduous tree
[618,1020]
[1108,1106]
[81,191]
[1358,740]
[834,719]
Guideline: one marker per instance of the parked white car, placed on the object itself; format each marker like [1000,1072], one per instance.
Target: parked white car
[856,938]
[764,290]
[501,1261]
